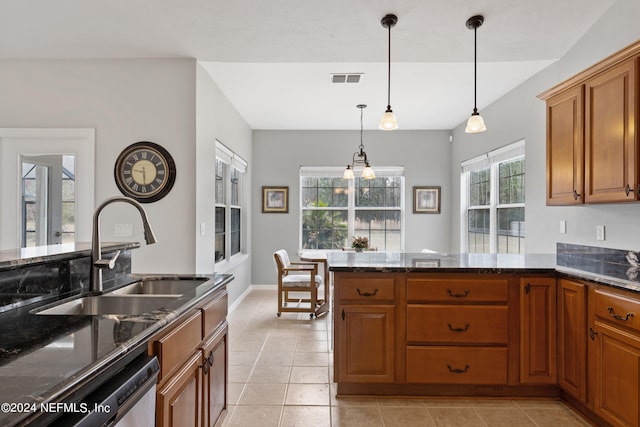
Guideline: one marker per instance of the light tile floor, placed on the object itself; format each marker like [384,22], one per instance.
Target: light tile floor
[280,374]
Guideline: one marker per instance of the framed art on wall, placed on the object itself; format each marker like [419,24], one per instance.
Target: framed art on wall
[426,200]
[275,199]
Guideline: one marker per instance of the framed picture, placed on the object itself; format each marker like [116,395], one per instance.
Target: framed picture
[426,200]
[275,199]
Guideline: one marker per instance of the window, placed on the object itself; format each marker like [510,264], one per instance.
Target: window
[333,210]
[230,169]
[48,200]
[492,197]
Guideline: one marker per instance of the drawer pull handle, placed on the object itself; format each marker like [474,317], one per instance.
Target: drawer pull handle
[210,358]
[575,195]
[452,329]
[617,316]
[592,334]
[458,371]
[450,292]
[367,294]
[627,190]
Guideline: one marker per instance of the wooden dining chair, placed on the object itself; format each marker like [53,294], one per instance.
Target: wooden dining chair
[298,278]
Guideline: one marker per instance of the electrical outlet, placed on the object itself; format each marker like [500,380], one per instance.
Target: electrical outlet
[203,228]
[123,230]
[563,226]
[599,232]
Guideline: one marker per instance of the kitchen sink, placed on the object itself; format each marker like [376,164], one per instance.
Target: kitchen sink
[109,304]
[173,286]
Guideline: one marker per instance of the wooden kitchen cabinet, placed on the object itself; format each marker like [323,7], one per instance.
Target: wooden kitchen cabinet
[365,328]
[591,133]
[572,338]
[457,329]
[614,356]
[611,158]
[565,147]
[179,401]
[192,387]
[538,330]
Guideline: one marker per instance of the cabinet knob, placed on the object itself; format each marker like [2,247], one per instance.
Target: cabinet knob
[576,195]
[527,288]
[627,190]
[592,334]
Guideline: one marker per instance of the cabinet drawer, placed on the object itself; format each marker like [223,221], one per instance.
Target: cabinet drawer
[214,313]
[457,290]
[458,324]
[457,365]
[617,309]
[367,288]
[176,346]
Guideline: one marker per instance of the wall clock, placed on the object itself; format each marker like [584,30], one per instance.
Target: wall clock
[145,171]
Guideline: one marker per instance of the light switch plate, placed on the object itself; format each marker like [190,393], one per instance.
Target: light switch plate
[599,232]
[202,228]
[563,226]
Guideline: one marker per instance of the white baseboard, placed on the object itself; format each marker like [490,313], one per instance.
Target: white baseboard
[238,300]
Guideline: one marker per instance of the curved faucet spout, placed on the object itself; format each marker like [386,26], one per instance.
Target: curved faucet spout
[97,263]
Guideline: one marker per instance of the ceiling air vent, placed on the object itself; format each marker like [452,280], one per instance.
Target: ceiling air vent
[346,77]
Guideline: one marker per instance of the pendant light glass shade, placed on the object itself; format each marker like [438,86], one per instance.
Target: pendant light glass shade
[348,173]
[475,124]
[359,157]
[388,121]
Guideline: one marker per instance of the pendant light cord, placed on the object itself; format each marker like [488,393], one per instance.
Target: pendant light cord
[475,68]
[361,130]
[389,72]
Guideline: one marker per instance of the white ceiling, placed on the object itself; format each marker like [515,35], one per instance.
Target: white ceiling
[273,58]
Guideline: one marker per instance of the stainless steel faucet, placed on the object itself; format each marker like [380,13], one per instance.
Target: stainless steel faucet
[97,263]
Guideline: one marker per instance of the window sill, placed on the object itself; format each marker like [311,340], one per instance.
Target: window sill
[226,265]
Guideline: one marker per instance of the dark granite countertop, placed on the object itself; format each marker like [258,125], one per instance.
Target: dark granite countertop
[372,261]
[608,267]
[43,358]
[14,258]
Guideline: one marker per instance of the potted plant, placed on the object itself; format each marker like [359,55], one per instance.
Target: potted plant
[359,243]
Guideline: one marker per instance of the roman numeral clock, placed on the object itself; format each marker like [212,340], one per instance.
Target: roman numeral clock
[145,171]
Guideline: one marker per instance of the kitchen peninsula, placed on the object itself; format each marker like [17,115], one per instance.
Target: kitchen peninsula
[489,325]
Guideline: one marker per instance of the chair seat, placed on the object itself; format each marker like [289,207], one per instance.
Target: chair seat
[299,281]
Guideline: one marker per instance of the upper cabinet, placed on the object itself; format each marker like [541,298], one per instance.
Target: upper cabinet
[592,147]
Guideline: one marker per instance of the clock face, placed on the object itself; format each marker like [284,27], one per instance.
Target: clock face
[145,171]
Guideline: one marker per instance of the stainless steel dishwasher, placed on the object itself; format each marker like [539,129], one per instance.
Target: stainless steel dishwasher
[127,399]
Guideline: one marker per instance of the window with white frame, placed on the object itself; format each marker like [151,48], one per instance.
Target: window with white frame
[492,199]
[229,171]
[333,210]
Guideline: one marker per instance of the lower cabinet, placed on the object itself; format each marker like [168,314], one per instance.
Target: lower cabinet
[572,338]
[179,401]
[614,357]
[192,387]
[365,328]
[538,330]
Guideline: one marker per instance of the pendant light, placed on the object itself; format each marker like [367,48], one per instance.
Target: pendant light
[367,172]
[388,121]
[475,124]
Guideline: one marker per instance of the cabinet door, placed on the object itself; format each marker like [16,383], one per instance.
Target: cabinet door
[179,401]
[365,343]
[610,147]
[615,374]
[538,330]
[215,379]
[565,148]
[572,338]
